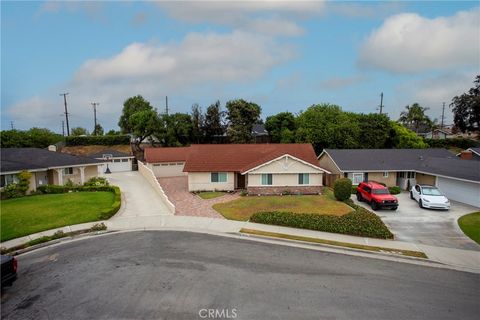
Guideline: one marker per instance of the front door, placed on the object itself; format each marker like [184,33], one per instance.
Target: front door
[240,181]
[41,178]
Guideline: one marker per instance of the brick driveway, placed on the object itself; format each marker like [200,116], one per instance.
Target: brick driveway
[188,204]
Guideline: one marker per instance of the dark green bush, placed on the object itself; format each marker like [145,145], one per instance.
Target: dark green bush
[96,181]
[395,190]
[11,191]
[354,189]
[342,189]
[360,222]
[97,140]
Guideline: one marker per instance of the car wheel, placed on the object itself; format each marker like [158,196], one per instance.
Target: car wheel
[374,205]
[411,195]
[420,204]
[359,197]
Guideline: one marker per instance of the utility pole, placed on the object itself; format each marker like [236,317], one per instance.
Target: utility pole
[11,125]
[381,103]
[95,104]
[166,105]
[443,115]
[66,111]
[63,128]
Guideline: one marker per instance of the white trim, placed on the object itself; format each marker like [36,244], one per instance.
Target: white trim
[318,158]
[471,150]
[53,168]
[448,177]
[283,156]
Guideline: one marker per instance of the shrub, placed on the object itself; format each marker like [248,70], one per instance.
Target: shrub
[342,189]
[354,189]
[96,181]
[97,140]
[11,191]
[98,227]
[360,222]
[23,182]
[117,202]
[243,193]
[395,190]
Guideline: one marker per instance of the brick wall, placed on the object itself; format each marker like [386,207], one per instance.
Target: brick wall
[283,190]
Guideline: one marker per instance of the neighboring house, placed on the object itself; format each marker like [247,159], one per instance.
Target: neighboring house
[260,134]
[47,167]
[470,154]
[258,168]
[458,179]
[118,158]
[438,134]
[166,162]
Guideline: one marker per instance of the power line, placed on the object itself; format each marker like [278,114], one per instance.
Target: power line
[95,104]
[66,111]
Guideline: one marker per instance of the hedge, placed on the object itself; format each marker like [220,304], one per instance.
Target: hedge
[97,140]
[104,214]
[395,190]
[360,222]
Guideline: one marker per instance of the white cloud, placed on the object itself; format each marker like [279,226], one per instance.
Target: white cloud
[199,65]
[336,83]
[408,43]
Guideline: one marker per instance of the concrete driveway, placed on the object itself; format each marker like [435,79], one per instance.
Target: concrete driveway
[425,226]
[139,199]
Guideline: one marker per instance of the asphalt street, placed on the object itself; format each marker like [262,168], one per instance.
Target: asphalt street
[181,275]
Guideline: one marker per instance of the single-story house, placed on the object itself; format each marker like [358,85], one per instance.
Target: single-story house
[166,162]
[470,154]
[47,167]
[258,168]
[438,134]
[118,158]
[458,179]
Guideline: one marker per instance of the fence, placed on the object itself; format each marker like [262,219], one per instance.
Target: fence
[152,180]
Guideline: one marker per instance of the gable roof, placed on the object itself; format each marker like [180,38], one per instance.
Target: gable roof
[242,157]
[18,159]
[167,154]
[259,130]
[382,159]
[451,167]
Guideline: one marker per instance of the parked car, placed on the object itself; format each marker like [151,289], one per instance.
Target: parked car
[9,270]
[429,197]
[376,195]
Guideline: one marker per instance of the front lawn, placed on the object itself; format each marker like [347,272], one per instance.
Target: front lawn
[210,194]
[470,225]
[27,215]
[242,209]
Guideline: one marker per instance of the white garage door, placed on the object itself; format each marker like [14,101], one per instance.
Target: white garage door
[171,169]
[462,191]
[118,165]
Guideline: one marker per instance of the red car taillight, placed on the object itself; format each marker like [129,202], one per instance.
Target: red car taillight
[14,265]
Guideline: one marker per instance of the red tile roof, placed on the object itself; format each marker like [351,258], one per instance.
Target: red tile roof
[242,157]
[155,155]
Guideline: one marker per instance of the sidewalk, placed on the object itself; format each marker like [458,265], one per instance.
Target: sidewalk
[459,259]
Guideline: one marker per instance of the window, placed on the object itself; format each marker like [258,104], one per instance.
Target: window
[8,179]
[411,175]
[117,160]
[385,174]
[357,178]
[218,177]
[67,171]
[179,163]
[164,164]
[303,178]
[267,179]
[124,160]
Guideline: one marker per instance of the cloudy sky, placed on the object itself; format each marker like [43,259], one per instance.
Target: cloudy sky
[283,55]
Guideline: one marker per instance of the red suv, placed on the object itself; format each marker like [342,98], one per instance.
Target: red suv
[376,195]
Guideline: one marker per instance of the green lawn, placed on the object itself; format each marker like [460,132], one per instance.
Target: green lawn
[470,225]
[241,209]
[210,194]
[27,215]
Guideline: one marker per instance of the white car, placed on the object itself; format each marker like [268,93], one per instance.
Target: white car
[429,197]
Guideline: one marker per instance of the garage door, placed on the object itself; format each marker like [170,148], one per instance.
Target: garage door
[118,165]
[462,191]
[171,169]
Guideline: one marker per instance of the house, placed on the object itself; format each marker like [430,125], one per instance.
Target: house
[118,158]
[470,154]
[458,179]
[437,134]
[258,168]
[47,167]
[260,134]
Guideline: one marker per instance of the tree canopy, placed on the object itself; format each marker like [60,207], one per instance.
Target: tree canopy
[414,118]
[242,115]
[281,127]
[131,106]
[32,138]
[466,108]
[78,131]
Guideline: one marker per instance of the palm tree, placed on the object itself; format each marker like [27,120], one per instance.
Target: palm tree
[414,116]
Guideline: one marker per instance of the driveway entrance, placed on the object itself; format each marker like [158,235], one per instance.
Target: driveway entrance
[424,226]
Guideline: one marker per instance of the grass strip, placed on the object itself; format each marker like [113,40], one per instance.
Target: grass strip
[409,253]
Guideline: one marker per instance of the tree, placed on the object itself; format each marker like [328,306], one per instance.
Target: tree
[178,129]
[198,123]
[143,124]
[281,127]
[131,106]
[327,126]
[466,108]
[374,130]
[242,115]
[213,125]
[414,117]
[32,138]
[98,130]
[112,132]
[403,138]
[78,131]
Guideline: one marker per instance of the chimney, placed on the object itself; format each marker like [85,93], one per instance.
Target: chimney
[466,155]
[52,148]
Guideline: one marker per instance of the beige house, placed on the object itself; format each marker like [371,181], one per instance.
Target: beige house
[47,167]
[257,168]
